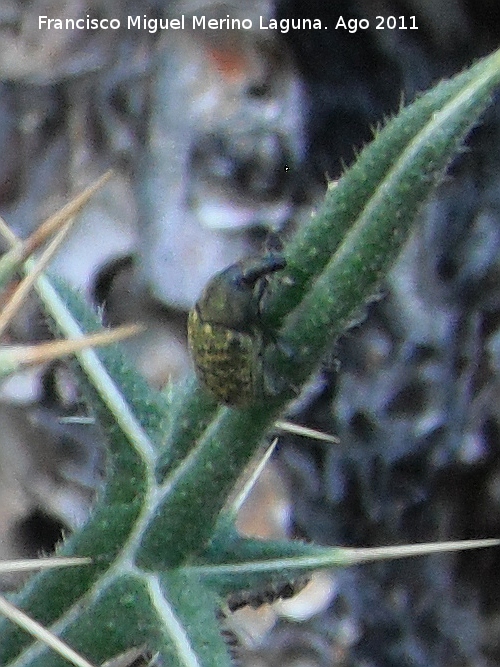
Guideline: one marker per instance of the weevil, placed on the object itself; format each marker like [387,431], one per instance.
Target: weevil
[226,335]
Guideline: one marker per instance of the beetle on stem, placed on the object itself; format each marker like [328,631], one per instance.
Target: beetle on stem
[226,334]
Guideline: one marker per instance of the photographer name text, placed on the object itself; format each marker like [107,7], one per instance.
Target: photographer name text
[201,22]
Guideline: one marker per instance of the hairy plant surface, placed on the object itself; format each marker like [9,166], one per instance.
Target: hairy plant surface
[164,550]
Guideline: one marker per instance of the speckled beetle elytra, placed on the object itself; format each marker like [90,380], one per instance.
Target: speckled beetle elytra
[225,331]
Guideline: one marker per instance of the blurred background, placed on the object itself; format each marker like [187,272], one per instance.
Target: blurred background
[215,139]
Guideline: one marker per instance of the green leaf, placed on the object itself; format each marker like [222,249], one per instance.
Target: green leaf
[191,623]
